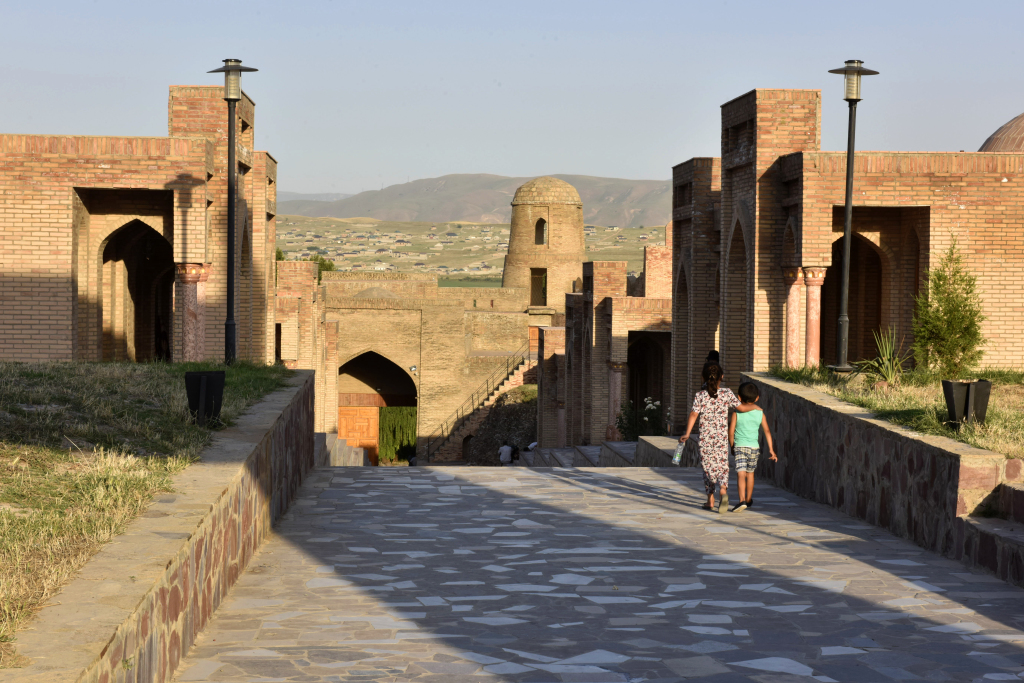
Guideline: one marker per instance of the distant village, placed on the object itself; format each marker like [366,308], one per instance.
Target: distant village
[470,249]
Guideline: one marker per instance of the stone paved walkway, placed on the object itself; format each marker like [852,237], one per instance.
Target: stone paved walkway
[588,575]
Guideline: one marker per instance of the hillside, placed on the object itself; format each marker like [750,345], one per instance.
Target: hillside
[483,198]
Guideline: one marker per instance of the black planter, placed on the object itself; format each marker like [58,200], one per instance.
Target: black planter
[981,391]
[966,400]
[956,393]
[205,392]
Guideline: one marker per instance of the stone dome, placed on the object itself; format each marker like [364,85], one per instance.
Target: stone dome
[547,190]
[1009,137]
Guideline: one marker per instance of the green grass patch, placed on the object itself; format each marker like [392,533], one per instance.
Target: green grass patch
[83,449]
[918,403]
[469,282]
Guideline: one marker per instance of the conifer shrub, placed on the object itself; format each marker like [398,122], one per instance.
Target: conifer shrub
[948,317]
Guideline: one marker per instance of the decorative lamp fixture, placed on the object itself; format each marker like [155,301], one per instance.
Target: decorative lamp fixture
[232,71]
[852,72]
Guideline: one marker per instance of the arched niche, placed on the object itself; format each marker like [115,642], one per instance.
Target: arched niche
[135,287]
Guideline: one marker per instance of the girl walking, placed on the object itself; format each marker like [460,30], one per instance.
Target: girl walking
[712,405]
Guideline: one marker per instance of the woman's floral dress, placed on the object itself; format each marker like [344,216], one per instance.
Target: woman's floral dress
[714,436]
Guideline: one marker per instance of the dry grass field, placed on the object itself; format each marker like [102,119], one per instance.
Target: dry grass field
[918,403]
[83,449]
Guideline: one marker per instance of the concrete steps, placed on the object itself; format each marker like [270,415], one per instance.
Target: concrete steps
[552,457]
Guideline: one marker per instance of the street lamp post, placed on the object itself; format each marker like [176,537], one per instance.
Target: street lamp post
[232,71]
[852,71]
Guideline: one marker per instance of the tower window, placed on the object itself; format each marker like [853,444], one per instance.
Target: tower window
[540,235]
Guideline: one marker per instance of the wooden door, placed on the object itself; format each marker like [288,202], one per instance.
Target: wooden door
[359,426]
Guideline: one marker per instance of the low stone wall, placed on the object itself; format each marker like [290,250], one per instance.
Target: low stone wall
[134,610]
[914,485]
[657,451]
[617,454]
[343,455]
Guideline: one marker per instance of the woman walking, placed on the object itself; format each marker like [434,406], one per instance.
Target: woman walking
[712,405]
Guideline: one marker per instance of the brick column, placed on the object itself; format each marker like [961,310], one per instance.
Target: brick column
[615,370]
[814,278]
[190,297]
[561,442]
[793,278]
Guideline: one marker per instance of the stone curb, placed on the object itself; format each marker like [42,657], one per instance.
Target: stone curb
[136,607]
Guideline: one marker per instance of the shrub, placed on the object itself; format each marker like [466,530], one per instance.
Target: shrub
[322,265]
[948,317]
[633,423]
[397,433]
[888,364]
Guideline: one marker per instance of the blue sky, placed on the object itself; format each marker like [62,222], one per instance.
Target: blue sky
[355,95]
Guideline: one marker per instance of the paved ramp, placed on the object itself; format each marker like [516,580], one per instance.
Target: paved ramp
[604,576]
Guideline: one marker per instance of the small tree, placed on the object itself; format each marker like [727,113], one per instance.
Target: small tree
[322,265]
[948,317]
[279,254]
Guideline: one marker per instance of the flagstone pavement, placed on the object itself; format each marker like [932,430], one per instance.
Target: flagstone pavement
[594,575]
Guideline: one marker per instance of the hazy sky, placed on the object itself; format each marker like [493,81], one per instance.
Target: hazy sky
[355,95]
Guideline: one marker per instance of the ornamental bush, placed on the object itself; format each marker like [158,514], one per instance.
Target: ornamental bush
[948,317]
[634,422]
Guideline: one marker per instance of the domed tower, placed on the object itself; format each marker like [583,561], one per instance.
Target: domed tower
[1009,137]
[545,248]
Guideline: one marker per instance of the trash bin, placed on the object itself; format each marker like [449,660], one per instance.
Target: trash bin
[205,391]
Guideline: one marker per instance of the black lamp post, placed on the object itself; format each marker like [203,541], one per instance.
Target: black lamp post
[232,71]
[852,71]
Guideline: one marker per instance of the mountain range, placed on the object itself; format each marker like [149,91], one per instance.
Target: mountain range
[485,198]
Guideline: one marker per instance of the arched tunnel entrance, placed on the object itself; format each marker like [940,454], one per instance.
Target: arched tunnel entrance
[377,407]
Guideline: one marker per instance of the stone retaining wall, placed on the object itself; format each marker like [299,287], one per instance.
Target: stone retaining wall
[134,610]
[914,485]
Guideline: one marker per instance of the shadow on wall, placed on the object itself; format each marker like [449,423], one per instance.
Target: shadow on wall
[42,318]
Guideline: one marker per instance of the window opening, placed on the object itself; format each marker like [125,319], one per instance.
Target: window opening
[538,286]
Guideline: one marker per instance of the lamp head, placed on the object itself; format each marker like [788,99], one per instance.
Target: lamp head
[232,71]
[853,71]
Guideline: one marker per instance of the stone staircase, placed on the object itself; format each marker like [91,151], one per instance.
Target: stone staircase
[451,449]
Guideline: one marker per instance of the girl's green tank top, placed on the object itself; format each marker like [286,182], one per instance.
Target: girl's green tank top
[747,426]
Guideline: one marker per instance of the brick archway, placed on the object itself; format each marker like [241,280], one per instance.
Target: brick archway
[136,282]
[735,338]
[367,383]
[867,291]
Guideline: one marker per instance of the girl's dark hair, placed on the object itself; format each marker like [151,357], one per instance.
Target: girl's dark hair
[748,392]
[712,375]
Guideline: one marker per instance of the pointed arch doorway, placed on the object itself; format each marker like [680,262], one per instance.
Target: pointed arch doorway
[366,384]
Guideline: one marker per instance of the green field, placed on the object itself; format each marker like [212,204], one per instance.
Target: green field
[458,250]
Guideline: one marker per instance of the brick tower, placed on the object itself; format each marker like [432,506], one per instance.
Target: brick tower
[545,248]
